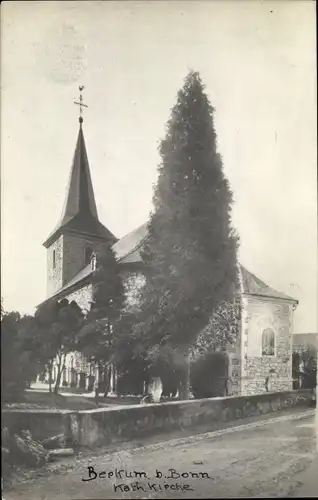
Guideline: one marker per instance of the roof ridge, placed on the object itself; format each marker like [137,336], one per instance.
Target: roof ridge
[252,285]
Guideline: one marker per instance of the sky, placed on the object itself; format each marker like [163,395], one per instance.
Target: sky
[257,60]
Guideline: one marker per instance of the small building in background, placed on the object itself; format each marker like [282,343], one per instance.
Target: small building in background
[305,342]
[305,351]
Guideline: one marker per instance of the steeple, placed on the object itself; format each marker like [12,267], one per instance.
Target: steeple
[80,212]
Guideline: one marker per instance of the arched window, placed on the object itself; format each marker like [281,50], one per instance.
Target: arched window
[88,255]
[268,342]
[54,259]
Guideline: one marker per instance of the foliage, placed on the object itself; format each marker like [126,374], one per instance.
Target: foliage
[309,370]
[30,346]
[208,375]
[19,361]
[305,368]
[12,380]
[58,324]
[295,365]
[131,378]
[108,289]
[190,251]
[96,338]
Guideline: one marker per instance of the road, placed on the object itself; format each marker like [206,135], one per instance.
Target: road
[266,459]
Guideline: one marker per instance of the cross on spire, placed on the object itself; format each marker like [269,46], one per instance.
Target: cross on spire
[81,104]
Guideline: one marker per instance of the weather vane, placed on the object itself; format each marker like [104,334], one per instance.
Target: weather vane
[81,104]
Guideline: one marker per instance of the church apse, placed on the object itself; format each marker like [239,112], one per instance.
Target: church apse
[268,346]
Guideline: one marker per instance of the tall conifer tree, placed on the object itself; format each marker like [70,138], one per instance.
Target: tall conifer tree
[190,253]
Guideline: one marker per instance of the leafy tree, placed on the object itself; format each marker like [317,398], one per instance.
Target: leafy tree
[58,324]
[19,363]
[295,369]
[304,369]
[96,338]
[12,382]
[30,347]
[308,369]
[190,251]
[45,318]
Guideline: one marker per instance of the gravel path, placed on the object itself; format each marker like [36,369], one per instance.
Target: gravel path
[259,459]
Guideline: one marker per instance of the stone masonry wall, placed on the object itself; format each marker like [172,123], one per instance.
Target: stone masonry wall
[55,273]
[235,368]
[69,259]
[74,253]
[132,284]
[83,297]
[262,314]
[109,425]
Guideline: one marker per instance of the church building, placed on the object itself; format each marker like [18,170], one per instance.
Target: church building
[260,361]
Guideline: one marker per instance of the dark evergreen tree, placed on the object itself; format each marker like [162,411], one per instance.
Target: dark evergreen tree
[96,340]
[190,253]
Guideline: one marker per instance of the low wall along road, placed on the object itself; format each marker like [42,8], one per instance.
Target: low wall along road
[110,425]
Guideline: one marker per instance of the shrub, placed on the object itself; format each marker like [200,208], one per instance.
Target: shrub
[209,375]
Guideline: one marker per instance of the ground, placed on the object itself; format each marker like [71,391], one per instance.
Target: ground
[268,457]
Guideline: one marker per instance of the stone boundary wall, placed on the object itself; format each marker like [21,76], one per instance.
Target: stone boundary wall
[91,428]
[105,426]
[41,423]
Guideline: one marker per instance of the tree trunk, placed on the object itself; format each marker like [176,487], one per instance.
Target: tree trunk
[97,380]
[184,387]
[58,381]
[50,376]
[107,380]
[60,368]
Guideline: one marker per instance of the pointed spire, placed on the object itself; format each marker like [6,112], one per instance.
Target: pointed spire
[80,212]
[80,195]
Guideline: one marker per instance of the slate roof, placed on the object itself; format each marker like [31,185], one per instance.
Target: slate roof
[254,286]
[127,250]
[80,212]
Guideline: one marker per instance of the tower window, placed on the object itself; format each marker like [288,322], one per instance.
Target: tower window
[268,342]
[88,255]
[54,259]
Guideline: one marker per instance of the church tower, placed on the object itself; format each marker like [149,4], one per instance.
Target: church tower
[79,233]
